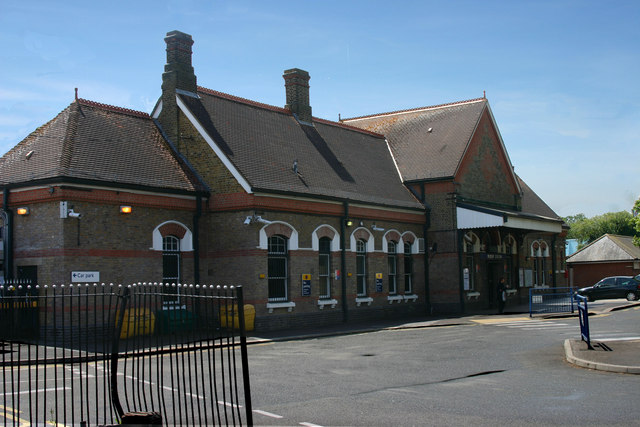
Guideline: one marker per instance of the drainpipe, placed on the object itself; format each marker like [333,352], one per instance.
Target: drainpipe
[425,228]
[8,237]
[554,264]
[196,240]
[460,275]
[343,262]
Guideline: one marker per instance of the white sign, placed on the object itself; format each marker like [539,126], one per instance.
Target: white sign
[465,278]
[85,276]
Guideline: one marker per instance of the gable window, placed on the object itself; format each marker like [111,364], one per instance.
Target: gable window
[408,269]
[392,261]
[324,267]
[278,269]
[361,268]
[170,266]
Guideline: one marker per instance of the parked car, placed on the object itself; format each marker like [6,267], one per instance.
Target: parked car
[613,287]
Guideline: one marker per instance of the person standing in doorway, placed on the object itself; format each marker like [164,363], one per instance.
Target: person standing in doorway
[502,295]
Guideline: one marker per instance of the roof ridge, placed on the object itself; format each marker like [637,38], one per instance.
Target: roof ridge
[282,110]
[113,108]
[348,127]
[409,110]
[243,100]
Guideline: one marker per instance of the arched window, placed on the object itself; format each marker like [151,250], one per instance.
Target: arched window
[361,268]
[539,253]
[392,261]
[324,267]
[408,269]
[170,265]
[278,269]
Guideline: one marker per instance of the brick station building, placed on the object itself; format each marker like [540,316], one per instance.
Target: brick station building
[398,214]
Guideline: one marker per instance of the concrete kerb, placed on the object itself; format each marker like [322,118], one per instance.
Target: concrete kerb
[570,344]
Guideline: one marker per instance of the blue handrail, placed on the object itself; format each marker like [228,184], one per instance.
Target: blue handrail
[583,314]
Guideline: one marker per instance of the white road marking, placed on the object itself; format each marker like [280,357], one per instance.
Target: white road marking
[267,414]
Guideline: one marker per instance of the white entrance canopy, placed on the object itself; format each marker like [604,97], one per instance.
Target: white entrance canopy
[481,217]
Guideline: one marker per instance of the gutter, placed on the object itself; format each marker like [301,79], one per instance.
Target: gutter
[196,240]
[343,262]
[7,240]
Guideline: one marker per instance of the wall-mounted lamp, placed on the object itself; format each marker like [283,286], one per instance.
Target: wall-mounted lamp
[22,211]
[125,209]
[376,228]
[73,214]
[256,218]
[348,222]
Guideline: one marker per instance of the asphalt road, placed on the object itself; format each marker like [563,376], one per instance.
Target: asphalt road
[492,370]
[478,370]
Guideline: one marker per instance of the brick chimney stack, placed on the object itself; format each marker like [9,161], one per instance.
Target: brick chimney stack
[296,83]
[178,75]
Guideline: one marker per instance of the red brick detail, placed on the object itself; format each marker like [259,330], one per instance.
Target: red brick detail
[244,201]
[408,238]
[107,197]
[172,229]
[362,235]
[325,232]
[393,236]
[278,229]
[107,253]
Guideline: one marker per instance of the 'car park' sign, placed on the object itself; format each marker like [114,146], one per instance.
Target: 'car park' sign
[85,276]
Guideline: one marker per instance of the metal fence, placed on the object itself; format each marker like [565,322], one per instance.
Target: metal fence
[97,354]
[551,300]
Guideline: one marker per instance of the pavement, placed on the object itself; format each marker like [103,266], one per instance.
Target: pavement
[622,356]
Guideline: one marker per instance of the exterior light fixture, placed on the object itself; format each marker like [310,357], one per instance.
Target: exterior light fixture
[22,211]
[348,222]
[125,209]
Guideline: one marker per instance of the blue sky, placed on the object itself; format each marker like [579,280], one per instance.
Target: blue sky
[562,77]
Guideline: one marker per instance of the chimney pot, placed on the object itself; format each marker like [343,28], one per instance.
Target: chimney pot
[296,83]
[178,71]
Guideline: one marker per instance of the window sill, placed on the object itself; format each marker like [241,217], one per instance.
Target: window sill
[273,305]
[361,300]
[474,295]
[392,298]
[323,302]
[412,297]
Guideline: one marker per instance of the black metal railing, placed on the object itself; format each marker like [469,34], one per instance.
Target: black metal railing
[94,354]
[551,300]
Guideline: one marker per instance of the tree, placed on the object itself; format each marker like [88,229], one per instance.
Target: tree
[586,230]
[636,222]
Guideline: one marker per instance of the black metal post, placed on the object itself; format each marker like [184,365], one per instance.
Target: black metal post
[117,329]
[245,356]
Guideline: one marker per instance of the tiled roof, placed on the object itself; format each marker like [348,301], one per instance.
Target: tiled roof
[96,142]
[430,142]
[608,248]
[427,142]
[533,204]
[333,160]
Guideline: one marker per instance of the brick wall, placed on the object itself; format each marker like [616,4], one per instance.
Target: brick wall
[485,173]
[589,274]
[116,245]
